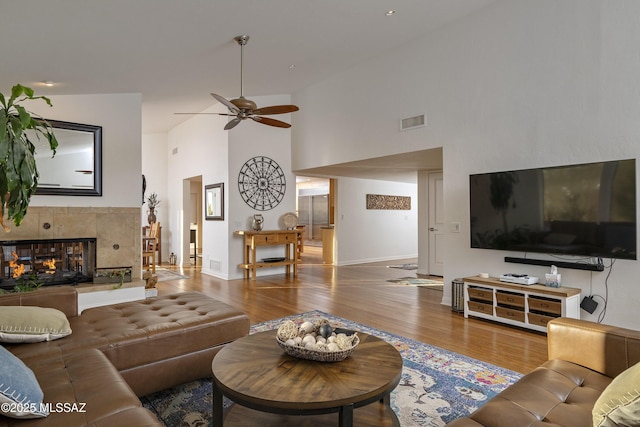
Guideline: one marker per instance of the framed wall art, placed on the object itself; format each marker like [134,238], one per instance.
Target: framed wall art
[214,202]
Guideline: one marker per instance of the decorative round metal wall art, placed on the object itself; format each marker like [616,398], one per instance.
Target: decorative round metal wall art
[261,183]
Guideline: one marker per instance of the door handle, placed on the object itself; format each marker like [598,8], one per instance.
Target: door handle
[433,229]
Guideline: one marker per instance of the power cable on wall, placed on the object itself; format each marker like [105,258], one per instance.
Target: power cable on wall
[605,298]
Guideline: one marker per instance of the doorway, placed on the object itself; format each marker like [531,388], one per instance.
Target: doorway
[192,221]
[314,209]
[436,224]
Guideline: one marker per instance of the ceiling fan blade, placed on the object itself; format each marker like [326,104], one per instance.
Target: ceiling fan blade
[271,122]
[226,103]
[276,109]
[232,123]
[219,114]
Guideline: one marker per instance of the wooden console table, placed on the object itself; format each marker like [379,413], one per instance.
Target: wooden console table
[253,239]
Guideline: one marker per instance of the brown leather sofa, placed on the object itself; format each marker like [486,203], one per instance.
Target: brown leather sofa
[584,357]
[119,352]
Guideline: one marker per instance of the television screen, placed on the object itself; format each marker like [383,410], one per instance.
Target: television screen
[587,209]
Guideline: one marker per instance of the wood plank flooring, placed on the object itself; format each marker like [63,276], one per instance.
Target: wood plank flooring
[362,293]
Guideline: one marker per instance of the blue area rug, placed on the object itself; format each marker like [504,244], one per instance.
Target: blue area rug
[437,385]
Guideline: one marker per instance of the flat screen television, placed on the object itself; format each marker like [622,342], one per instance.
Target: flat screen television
[583,210]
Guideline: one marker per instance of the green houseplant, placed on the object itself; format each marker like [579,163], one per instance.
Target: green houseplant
[18,172]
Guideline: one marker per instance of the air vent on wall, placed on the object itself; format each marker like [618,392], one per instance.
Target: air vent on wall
[413,122]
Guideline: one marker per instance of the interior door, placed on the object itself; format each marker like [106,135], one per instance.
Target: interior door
[436,225]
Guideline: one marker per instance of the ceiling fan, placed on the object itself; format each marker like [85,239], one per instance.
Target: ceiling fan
[242,108]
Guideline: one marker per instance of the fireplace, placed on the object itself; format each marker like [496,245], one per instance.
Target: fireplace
[51,261]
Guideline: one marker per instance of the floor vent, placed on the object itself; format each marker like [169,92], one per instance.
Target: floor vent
[413,122]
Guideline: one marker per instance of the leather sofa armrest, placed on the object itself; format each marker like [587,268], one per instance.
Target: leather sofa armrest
[464,422]
[602,348]
[63,298]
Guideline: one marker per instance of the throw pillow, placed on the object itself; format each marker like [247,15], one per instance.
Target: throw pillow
[20,324]
[619,403]
[20,393]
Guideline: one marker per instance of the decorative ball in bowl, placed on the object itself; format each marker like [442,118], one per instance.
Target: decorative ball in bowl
[316,341]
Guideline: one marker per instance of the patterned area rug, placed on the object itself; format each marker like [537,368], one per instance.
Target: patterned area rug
[165,274]
[413,281]
[437,385]
[404,266]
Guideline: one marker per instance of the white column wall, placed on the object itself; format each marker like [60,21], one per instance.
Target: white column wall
[519,84]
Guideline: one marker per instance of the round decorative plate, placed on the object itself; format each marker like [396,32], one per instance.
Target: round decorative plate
[290,220]
[262,183]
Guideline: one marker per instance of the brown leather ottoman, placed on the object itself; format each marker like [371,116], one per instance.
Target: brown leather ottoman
[155,343]
[160,342]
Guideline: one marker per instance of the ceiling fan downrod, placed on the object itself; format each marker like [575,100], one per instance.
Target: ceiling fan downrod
[242,40]
[242,103]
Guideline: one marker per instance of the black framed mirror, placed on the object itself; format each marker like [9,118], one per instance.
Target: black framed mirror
[76,169]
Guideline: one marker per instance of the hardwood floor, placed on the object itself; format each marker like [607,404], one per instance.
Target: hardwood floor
[362,293]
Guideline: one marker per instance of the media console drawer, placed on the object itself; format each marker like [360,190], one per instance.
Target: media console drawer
[539,319]
[510,298]
[480,307]
[525,306]
[546,305]
[480,294]
[510,313]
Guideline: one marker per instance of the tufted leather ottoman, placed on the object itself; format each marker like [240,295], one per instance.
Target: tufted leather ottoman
[155,343]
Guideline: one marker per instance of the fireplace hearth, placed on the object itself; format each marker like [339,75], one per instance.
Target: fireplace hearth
[52,261]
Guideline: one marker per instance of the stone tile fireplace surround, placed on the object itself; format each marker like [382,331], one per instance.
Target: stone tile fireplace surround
[118,237]
[117,231]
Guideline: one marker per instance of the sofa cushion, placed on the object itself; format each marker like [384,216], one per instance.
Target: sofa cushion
[20,393]
[23,324]
[619,404]
[90,390]
[558,393]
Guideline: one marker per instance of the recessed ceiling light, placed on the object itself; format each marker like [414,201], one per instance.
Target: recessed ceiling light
[292,66]
[48,83]
[390,12]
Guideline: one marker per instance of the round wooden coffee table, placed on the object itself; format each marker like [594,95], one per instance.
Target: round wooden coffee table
[273,388]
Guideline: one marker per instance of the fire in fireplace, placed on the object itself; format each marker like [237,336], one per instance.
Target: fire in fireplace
[49,262]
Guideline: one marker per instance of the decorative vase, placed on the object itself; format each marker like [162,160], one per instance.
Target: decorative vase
[256,222]
[152,216]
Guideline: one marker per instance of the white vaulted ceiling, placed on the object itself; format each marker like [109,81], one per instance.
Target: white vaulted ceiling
[176,52]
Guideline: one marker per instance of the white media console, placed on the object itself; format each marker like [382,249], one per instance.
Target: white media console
[526,306]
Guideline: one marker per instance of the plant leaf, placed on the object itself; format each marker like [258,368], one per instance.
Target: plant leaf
[16,91]
[18,167]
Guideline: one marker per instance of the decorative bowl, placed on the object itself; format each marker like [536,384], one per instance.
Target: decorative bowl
[317,355]
[317,340]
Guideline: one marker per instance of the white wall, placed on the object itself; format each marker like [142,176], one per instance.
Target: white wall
[247,140]
[370,235]
[204,148]
[519,84]
[154,168]
[197,147]
[120,117]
